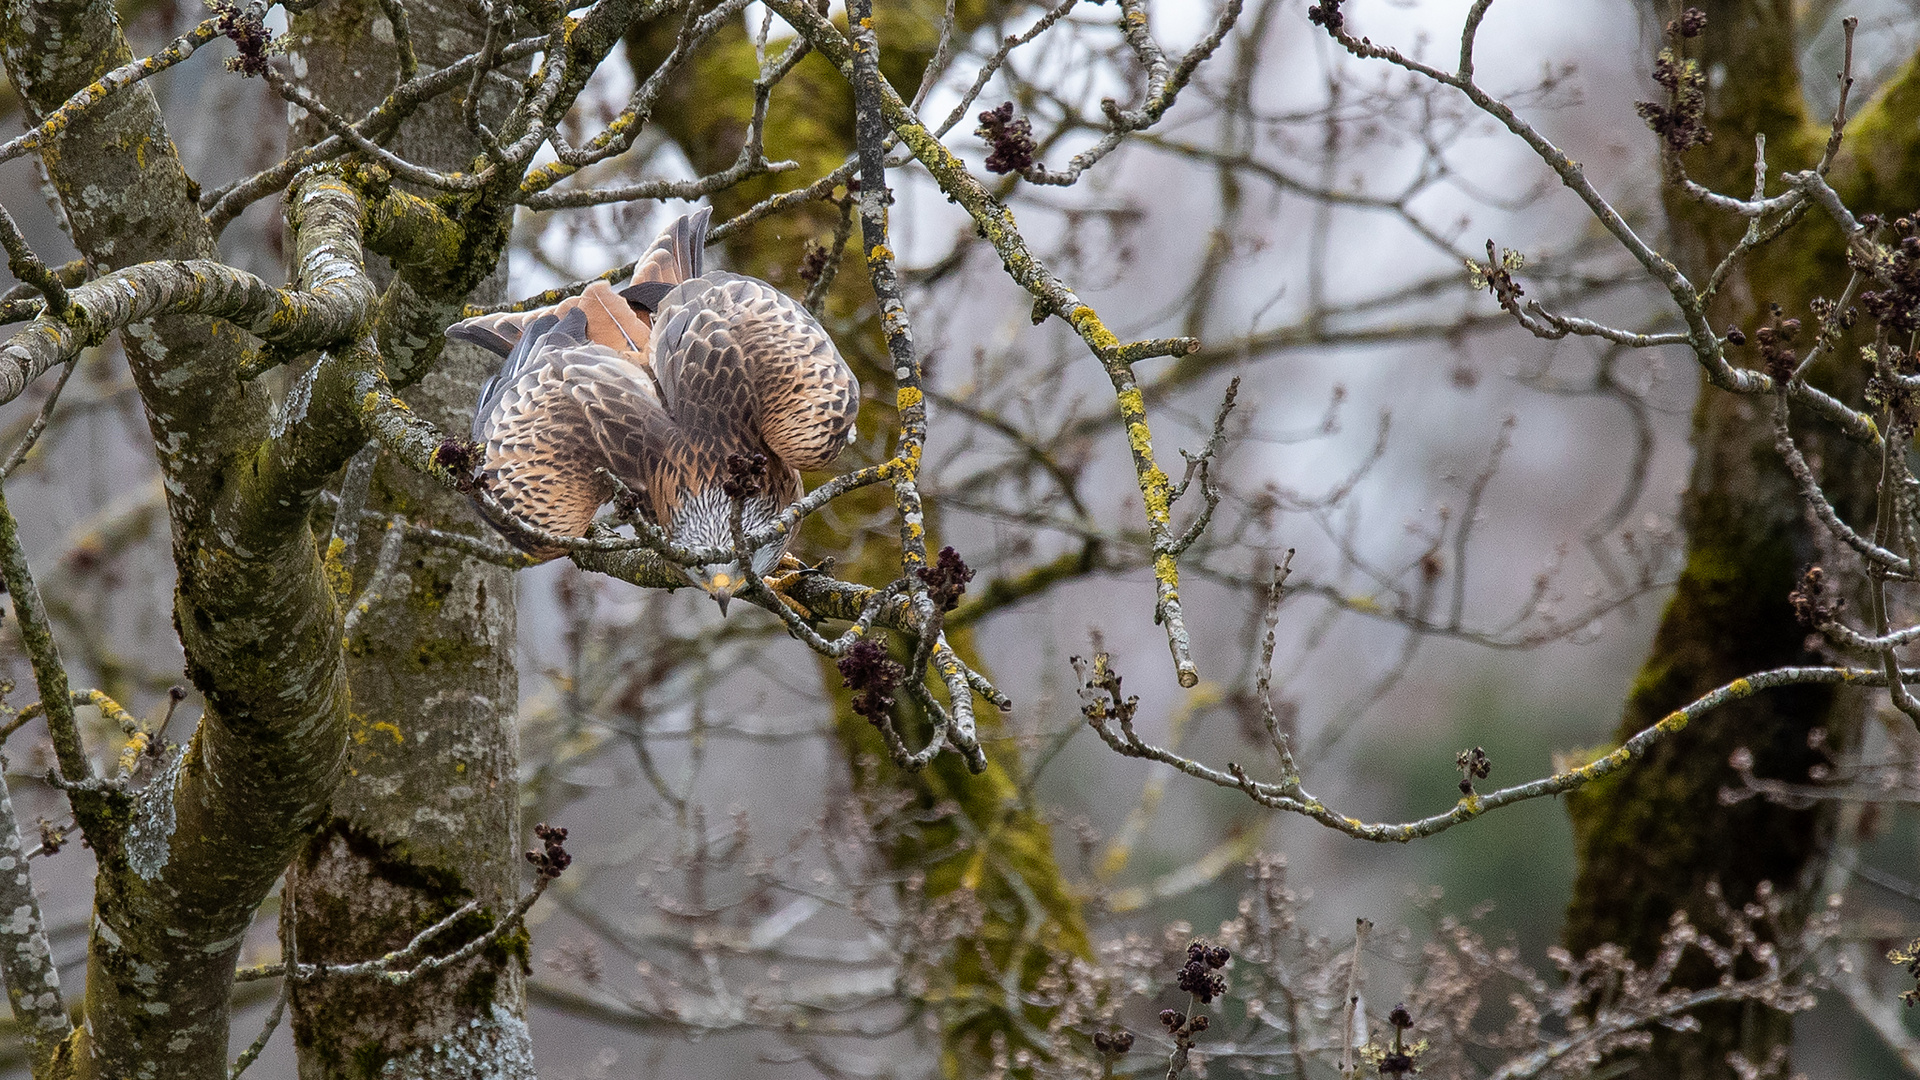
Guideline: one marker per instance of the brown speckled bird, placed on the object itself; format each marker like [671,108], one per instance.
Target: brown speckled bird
[659,383]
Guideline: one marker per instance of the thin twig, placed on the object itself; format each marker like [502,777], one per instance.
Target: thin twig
[267,1028]
[39,425]
[1349,1060]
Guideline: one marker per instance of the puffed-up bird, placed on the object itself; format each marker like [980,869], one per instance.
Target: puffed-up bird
[659,384]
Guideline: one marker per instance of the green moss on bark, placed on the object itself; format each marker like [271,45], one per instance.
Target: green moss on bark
[1652,840]
[1007,858]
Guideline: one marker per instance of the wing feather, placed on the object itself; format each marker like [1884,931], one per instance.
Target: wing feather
[545,417]
[679,253]
[611,321]
[740,362]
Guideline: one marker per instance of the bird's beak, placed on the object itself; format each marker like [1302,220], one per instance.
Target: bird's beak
[722,597]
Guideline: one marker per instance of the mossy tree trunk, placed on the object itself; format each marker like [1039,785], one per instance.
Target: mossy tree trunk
[426,817]
[181,872]
[1655,839]
[1005,853]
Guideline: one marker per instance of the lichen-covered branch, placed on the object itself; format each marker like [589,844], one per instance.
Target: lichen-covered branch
[333,295]
[910,404]
[26,959]
[1164,83]
[996,223]
[617,137]
[1112,717]
[49,674]
[225,204]
[107,86]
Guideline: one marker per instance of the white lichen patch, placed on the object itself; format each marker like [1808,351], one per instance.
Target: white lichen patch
[298,398]
[495,1047]
[448,823]
[17,922]
[150,345]
[149,837]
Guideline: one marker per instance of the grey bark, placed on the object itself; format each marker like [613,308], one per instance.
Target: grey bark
[33,983]
[426,817]
[182,869]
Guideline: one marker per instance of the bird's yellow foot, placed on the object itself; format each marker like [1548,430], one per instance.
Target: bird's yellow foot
[777,585]
[785,574]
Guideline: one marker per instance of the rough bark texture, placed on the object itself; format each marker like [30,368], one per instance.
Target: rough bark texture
[32,979]
[181,874]
[1651,841]
[426,817]
[1009,866]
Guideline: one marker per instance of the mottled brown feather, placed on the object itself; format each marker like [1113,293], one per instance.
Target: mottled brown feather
[611,321]
[728,365]
[678,253]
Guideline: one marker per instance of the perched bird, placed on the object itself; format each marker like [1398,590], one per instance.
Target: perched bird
[659,384]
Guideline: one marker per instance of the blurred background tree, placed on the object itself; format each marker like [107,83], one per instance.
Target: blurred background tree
[1479,530]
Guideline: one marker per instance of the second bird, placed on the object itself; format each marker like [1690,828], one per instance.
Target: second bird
[659,384]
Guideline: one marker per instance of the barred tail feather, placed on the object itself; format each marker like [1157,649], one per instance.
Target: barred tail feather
[679,254]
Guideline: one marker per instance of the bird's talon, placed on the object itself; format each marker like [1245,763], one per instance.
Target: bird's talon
[777,584]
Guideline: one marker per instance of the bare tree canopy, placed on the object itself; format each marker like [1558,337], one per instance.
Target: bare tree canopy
[362,451]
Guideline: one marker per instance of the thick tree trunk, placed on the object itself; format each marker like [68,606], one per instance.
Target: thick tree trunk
[1654,840]
[426,817]
[1010,868]
[181,873]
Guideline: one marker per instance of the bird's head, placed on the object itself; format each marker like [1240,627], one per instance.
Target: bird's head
[705,519]
[720,581]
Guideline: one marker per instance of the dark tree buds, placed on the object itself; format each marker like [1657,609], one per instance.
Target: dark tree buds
[248,33]
[1681,120]
[946,579]
[871,674]
[1200,977]
[1113,1043]
[1327,13]
[627,503]
[1010,138]
[1689,24]
[1179,1024]
[1776,345]
[1396,1061]
[1812,607]
[1473,765]
[457,456]
[1898,305]
[814,264]
[460,458]
[746,475]
[552,861]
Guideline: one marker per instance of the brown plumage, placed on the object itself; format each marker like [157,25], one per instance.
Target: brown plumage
[659,384]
